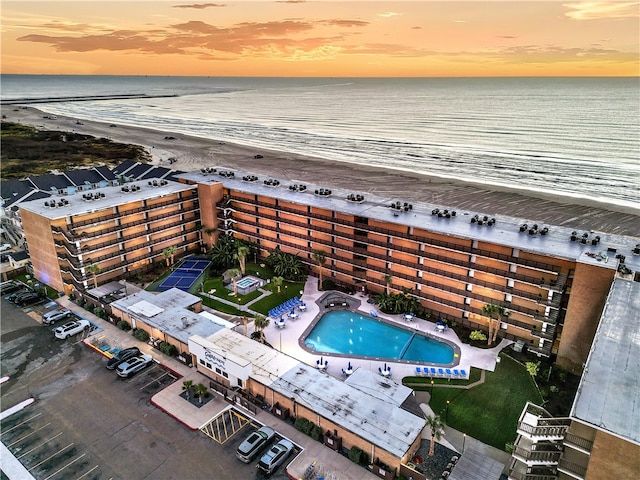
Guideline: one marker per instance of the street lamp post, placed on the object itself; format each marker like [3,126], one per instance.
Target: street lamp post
[447,413]
[464,439]
[431,388]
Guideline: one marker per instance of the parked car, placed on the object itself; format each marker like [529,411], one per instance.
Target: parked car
[20,295]
[122,356]
[71,328]
[10,287]
[275,456]
[133,365]
[255,442]
[29,299]
[5,246]
[16,294]
[54,315]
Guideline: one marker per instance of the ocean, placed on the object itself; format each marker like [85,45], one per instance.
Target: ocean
[577,137]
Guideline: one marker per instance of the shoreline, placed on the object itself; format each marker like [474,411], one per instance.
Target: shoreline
[192,153]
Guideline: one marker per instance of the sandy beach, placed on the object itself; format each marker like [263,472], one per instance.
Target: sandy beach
[193,153]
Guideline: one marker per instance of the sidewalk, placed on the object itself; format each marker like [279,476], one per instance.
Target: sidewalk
[169,401]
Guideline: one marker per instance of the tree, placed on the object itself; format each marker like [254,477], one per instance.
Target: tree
[168,254]
[245,321]
[261,322]
[286,265]
[241,256]
[200,391]
[494,312]
[94,269]
[277,281]
[387,280]
[320,258]
[187,386]
[234,272]
[222,254]
[436,425]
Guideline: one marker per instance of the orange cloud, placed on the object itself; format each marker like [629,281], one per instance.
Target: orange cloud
[600,10]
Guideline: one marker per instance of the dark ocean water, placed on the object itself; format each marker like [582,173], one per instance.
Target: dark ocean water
[571,136]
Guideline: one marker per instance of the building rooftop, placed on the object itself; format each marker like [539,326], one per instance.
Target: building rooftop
[168,312]
[85,176]
[357,409]
[556,241]
[378,386]
[14,190]
[103,198]
[608,396]
[51,182]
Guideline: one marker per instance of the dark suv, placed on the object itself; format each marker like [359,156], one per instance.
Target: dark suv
[122,356]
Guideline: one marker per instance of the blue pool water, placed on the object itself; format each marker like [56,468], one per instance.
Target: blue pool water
[246,282]
[349,333]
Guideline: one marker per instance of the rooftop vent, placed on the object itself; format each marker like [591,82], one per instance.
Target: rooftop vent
[298,188]
[272,182]
[636,250]
[401,207]
[534,229]
[484,220]
[131,188]
[226,173]
[355,197]
[323,192]
[443,213]
[250,178]
[585,238]
[207,170]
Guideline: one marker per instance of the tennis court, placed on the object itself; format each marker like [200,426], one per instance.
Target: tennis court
[185,275]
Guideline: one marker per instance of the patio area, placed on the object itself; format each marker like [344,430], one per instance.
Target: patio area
[288,339]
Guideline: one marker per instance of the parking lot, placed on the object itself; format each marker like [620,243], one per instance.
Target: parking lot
[88,423]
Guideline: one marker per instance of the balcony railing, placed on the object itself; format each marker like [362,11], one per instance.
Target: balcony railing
[550,430]
[372,228]
[538,457]
[120,214]
[575,440]
[531,476]
[573,469]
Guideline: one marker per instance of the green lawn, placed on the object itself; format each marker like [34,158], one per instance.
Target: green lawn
[223,307]
[489,412]
[221,291]
[287,290]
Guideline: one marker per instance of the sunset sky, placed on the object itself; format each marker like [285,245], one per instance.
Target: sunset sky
[322,38]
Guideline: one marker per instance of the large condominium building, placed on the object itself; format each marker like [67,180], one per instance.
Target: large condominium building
[101,234]
[454,262]
[600,439]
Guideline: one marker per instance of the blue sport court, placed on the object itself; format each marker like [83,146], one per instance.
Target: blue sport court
[185,275]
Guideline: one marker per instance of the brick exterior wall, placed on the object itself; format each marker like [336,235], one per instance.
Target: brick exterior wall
[613,458]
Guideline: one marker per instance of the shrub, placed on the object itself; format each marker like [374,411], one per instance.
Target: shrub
[355,454]
[532,368]
[122,325]
[141,335]
[168,349]
[477,335]
[328,284]
[301,424]
[316,433]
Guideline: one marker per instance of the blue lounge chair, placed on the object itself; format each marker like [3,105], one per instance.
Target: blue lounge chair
[463,373]
[433,372]
[456,373]
[418,371]
[441,372]
[448,372]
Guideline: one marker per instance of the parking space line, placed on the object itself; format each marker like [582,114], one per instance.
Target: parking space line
[154,380]
[38,446]
[22,423]
[70,463]
[87,473]
[26,436]
[51,456]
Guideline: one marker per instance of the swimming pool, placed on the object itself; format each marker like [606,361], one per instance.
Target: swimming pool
[349,333]
[247,285]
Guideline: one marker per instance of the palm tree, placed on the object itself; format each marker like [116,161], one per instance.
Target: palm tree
[245,321]
[168,254]
[436,425]
[494,312]
[187,386]
[387,280]
[94,269]
[234,272]
[320,258]
[277,281]
[286,265]
[261,322]
[241,255]
[223,252]
[200,391]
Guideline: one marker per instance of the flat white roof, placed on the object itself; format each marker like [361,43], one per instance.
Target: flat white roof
[146,309]
[506,230]
[113,196]
[608,396]
[372,416]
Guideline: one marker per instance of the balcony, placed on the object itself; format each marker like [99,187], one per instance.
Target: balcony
[579,443]
[538,454]
[573,469]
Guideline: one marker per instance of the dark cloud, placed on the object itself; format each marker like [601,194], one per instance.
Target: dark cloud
[201,6]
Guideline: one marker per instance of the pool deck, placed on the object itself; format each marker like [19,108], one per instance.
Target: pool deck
[287,339]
